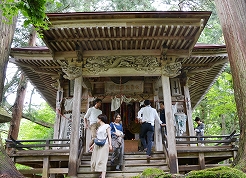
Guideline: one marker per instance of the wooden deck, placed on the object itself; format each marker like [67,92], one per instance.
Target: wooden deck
[50,157]
[41,156]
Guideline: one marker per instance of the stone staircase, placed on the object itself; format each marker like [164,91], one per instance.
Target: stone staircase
[134,164]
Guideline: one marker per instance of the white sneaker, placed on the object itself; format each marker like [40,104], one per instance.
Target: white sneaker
[202,145]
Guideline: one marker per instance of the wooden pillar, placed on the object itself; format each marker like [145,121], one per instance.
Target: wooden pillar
[59,96]
[74,141]
[87,131]
[157,134]
[189,111]
[158,137]
[171,140]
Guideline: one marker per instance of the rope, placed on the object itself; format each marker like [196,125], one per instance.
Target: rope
[59,112]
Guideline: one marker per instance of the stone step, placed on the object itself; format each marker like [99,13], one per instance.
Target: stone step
[113,174]
[143,161]
[134,164]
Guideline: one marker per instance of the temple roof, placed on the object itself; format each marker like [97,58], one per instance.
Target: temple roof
[83,35]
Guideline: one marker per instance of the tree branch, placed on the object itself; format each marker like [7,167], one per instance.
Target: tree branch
[39,122]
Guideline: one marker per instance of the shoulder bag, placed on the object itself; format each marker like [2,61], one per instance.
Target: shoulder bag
[100,142]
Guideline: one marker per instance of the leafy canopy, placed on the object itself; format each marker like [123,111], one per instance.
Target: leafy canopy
[30,130]
[32,10]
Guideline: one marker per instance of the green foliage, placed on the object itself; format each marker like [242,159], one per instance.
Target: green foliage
[217,172]
[30,130]
[219,102]
[212,33]
[43,112]
[32,10]
[129,5]
[23,167]
[154,173]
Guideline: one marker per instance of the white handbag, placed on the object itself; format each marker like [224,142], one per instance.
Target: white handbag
[118,132]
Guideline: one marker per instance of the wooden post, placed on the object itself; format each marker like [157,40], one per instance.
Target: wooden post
[158,137]
[157,134]
[74,140]
[59,96]
[189,111]
[201,160]
[87,131]
[45,172]
[171,141]
[46,162]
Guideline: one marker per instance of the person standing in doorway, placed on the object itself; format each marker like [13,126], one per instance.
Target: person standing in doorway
[163,117]
[199,129]
[147,116]
[91,115]
[117,142]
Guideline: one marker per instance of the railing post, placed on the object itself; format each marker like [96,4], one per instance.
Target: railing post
[201,160]
[45,172]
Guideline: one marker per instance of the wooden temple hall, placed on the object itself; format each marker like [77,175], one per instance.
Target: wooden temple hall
[122,58]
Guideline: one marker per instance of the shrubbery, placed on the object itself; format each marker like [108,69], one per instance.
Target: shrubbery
[216,172]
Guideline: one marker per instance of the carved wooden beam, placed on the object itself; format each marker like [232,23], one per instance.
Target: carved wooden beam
[98,64]
[72,69]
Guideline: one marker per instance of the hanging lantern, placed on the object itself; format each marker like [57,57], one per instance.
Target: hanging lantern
[4,115]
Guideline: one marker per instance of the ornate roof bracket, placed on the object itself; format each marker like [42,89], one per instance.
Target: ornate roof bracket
[170,67]
[185,79]
[71,68]
[58,81]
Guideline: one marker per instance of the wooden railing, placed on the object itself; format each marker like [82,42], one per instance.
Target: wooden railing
[49,153]
[208,142]
[165,145]
[37,144]
[216,140]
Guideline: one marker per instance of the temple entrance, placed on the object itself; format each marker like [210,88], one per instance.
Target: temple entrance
[128,112]
[131,127]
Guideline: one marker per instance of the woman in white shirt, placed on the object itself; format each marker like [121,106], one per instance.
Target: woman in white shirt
[99,157]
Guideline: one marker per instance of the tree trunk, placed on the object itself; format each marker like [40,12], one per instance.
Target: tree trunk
[20,96]
[17,109]
[7,168]
[233,22]
[6,38]
[30,101]
[223,124]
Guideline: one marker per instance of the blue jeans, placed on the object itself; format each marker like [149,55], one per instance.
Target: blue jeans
[147,129]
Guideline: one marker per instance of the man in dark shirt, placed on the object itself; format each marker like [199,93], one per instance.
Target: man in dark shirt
[162,117]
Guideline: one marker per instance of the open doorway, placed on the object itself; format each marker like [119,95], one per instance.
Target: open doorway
[128,112]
